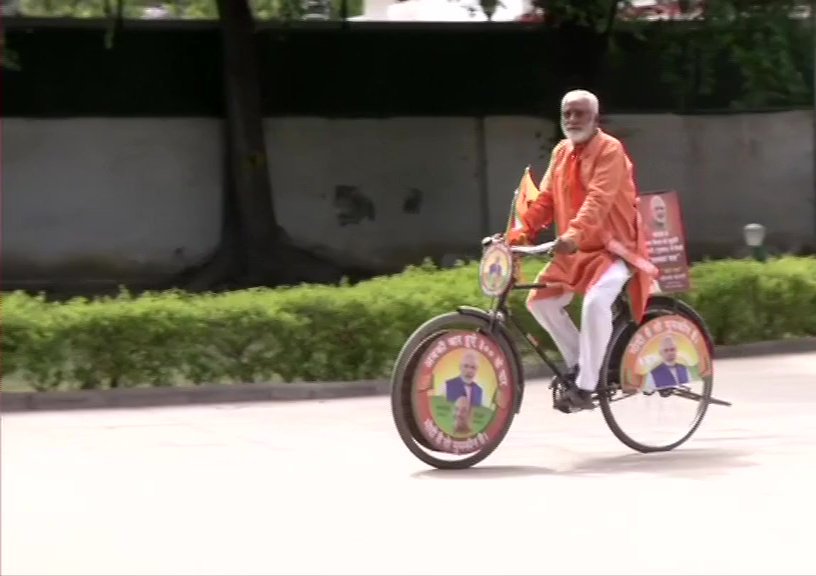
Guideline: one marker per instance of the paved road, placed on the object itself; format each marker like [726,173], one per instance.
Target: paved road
[327,488]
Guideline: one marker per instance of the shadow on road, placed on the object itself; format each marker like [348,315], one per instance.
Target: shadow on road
[690,462]
[485,472]
[680,462]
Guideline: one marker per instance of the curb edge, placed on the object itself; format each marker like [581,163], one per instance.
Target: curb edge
[243,393]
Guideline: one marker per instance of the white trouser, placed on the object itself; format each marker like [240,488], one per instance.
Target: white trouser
[587,348]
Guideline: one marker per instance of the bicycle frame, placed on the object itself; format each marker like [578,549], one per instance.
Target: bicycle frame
[500,311]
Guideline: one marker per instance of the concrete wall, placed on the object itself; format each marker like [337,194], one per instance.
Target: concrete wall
[101,198]
[344,184]
[108,198]
[730,170]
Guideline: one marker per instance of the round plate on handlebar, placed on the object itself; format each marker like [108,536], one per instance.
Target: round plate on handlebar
[496,269]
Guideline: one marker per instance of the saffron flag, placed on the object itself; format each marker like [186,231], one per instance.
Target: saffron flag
[526,192]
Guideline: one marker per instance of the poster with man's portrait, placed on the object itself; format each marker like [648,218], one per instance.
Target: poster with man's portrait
[666,239]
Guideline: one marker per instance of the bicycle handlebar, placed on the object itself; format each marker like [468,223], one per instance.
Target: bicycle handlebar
[545,248]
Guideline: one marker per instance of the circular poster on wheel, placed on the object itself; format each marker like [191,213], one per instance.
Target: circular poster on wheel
[665,353]
[463,392]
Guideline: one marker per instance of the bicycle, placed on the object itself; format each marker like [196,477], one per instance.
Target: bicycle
[436,418]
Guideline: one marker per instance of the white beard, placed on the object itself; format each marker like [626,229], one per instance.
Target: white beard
[580,135]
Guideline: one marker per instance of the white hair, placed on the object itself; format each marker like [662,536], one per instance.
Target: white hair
[581,95]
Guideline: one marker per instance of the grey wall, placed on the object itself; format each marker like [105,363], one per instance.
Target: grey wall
[104,197]
[730,170]
[123,198]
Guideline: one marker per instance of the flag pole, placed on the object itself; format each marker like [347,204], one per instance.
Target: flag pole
[511,215]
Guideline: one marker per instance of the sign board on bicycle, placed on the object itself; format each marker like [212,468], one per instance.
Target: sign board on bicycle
[464,392]
[666,239]
[496,269]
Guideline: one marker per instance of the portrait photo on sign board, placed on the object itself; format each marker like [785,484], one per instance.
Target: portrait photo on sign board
[666,240]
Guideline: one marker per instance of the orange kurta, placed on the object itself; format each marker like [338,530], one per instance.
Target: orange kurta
[589,192]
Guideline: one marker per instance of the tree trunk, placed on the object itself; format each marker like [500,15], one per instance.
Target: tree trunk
[245,143]
[254,249]
[228,263]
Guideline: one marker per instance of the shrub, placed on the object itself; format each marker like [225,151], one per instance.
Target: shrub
[332,333]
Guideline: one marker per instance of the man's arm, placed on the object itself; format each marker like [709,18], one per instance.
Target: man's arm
[539,215]
[610,171]
[539,212]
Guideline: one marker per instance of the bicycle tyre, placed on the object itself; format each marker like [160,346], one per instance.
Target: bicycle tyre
[402,387]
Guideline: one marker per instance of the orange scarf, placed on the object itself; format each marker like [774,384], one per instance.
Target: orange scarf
[574,184]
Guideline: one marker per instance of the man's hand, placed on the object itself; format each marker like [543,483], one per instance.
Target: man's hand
[564,246]
[488,240]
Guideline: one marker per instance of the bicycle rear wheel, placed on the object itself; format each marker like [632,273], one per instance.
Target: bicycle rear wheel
[663,366]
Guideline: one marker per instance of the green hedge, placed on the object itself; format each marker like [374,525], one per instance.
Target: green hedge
[329,333]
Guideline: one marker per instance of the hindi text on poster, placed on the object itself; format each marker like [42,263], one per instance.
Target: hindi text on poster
[666,239]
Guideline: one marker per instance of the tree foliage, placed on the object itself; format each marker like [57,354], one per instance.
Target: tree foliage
[8,57]
[767,44]
[181,9]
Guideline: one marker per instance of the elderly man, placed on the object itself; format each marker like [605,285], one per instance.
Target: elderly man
[589,193]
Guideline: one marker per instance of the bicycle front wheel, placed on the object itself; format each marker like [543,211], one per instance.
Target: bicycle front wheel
[455,388]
